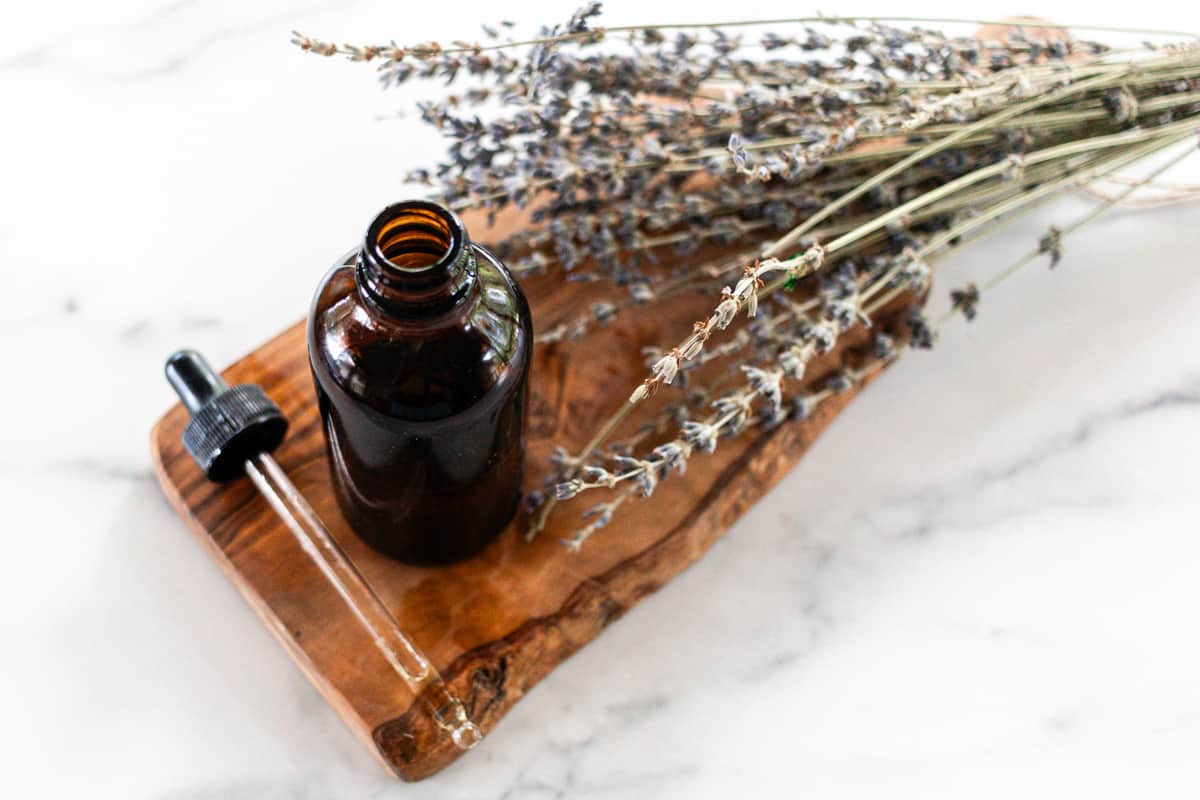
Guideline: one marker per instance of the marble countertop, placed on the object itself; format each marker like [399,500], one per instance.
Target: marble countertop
[980,583]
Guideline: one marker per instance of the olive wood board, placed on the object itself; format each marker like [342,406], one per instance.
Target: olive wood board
[499,623]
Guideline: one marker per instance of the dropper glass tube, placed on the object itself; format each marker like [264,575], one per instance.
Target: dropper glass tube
[403,656]
[234,430]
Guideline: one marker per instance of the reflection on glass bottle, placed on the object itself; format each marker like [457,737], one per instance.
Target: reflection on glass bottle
[419,344]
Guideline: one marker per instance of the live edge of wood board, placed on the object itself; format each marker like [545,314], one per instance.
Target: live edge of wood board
[495,625]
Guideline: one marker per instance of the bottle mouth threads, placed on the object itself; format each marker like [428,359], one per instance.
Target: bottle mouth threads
[416,236]
[416,259]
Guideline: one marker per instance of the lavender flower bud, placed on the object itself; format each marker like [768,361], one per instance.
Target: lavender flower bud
[568,489]
[725,312]
[920,331]
[768,384]
[794,360]
[666,368]
[883,347]
[802,407]
[673,455]
[840,382]
[1051,243]
[966,300]
[700,435]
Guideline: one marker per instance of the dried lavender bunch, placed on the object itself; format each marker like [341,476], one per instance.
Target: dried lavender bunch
[610,143]
[834,157]
[762,400]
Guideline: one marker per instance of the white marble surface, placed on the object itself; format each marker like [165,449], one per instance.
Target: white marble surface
[982,582]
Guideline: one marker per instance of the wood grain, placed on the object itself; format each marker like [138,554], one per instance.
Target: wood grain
[495,625]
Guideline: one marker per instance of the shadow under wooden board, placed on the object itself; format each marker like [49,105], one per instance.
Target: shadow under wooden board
[497,624]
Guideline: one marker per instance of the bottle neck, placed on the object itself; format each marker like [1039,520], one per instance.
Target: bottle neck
[416,261]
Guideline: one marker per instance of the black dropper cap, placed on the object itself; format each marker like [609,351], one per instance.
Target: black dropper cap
[228,425]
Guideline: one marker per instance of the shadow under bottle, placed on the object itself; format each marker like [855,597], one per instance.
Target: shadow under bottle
[419,344]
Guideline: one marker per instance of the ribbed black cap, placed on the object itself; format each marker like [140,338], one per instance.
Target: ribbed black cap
[228,425]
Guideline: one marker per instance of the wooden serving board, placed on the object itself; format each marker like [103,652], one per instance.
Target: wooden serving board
[497,624]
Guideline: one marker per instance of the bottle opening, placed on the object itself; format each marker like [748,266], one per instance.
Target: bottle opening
[414,236]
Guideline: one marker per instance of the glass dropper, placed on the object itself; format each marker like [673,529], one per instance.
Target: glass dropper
[233,431]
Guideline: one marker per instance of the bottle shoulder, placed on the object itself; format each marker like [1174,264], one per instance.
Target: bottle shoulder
[422,369]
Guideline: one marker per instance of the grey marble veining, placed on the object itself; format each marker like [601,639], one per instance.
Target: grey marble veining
[979,583]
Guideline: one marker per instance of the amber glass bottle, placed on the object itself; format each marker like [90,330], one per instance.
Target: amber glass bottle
[419,343]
